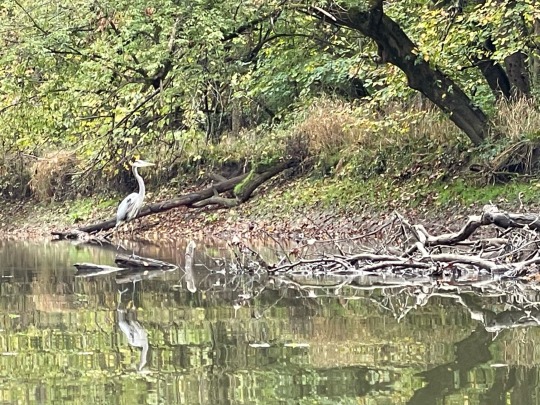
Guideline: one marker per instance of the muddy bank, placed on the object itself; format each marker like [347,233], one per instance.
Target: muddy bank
[28,221]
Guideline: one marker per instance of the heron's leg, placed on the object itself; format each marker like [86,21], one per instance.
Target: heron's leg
[115,234]
[133,293]
[132,231]
[117,231]
[120,292]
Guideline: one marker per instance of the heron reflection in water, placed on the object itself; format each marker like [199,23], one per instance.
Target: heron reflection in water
[133,330]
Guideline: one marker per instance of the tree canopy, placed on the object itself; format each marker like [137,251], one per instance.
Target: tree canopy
[112,76]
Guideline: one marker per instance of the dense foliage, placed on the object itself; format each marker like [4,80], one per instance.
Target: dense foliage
[111,79]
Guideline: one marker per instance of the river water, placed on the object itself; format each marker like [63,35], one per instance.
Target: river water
[221,335]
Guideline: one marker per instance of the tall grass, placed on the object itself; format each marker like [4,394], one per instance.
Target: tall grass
[517,119]
[331,124]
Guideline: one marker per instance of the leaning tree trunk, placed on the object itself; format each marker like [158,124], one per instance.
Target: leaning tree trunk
[243,185]
[396,48]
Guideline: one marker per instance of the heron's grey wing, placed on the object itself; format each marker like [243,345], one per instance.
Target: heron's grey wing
[126,208]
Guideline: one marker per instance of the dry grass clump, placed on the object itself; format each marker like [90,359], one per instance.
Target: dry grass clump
[517,124]
[51,175]
[517,119]
[432,124]
[327,126]
[334,125]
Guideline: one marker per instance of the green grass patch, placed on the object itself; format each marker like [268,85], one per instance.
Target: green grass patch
[462,192]
[383,194]
[86,208]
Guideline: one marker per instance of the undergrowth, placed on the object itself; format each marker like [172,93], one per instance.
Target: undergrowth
[353,156]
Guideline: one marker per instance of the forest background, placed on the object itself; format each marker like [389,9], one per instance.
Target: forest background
[412,103]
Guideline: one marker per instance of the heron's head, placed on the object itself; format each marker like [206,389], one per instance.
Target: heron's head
[141,163]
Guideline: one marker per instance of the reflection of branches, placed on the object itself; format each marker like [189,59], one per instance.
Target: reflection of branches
[405,277]
[399,296]
[525,311]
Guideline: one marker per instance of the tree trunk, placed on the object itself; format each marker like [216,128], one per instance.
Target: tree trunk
[495,76]
[516,63]
[396,48]
[516,69]
[535,64]
[492,71]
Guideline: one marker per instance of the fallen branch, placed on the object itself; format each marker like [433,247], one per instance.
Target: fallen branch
[193,200]
[446,255]
[490,216]
[186,200]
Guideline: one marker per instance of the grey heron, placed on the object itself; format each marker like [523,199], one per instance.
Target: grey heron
[130,206]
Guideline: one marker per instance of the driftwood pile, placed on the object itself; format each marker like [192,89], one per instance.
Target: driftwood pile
[495,242]
[404,269]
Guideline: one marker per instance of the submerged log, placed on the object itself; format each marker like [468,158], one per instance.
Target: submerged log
[133,277]
[129,265]
[198,199]
[138,262]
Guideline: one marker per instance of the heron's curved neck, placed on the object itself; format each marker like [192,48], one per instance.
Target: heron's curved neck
[140,181]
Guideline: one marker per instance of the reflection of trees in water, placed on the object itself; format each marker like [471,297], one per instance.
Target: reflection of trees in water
[207,344]
[24,261]
[512,306]
[231,281]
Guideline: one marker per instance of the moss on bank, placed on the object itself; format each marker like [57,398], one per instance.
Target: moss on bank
[379,195]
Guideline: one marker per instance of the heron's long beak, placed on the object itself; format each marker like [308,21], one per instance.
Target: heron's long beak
[144,163]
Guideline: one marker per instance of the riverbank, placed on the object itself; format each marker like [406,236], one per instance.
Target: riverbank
[358,166]
[304,208]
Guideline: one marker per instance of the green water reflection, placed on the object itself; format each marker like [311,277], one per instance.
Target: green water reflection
[251,339]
